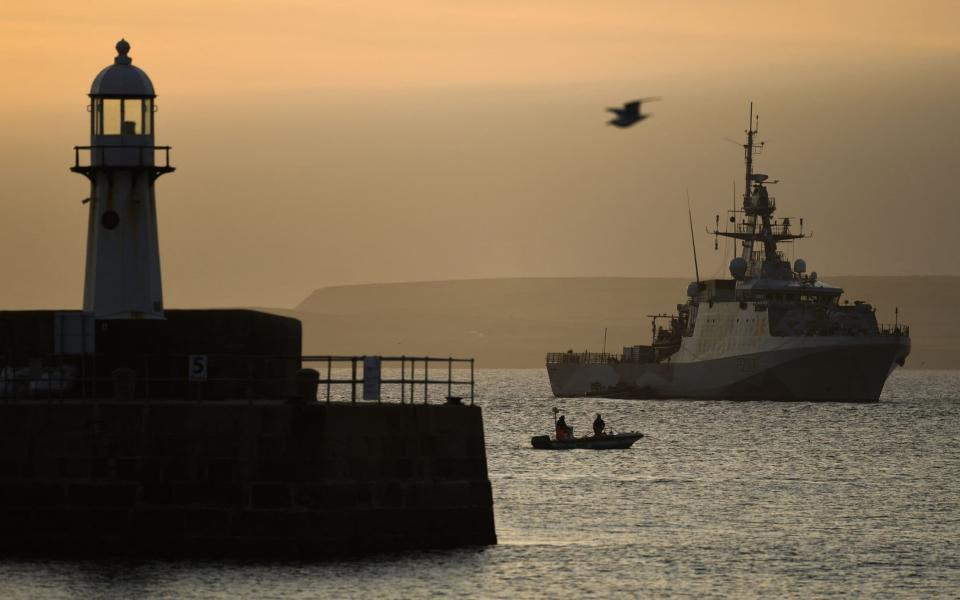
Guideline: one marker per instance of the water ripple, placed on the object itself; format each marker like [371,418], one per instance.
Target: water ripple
[720,499]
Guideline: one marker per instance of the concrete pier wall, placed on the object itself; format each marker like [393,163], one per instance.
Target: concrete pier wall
[228,478]
[250,354]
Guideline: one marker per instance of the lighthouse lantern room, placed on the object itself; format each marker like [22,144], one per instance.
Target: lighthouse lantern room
[122,163]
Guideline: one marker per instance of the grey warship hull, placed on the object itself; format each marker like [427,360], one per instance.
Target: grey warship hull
[834,370]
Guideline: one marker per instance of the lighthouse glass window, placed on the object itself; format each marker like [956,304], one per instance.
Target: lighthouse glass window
[132,117]
[108,116]
[129,116]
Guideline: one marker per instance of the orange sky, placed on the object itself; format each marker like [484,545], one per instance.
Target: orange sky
[321,143]
[219,47]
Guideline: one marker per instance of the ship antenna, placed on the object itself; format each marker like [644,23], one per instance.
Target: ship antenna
[749,157]
[734,196]
[604,340]
[716,234]
[693,241]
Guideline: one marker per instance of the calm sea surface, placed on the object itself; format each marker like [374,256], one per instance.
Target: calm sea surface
[719,499]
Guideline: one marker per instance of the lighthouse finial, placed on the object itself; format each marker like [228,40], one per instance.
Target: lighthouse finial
[122,48]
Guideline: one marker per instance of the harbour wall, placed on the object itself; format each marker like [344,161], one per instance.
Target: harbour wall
[249,354]
[234,478]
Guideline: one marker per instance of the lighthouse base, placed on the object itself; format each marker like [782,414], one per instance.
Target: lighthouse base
[196,354]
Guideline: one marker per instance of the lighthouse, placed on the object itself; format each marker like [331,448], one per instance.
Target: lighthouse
[183,432]
[122,163]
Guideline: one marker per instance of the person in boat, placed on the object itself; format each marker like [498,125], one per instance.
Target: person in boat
[564,431]
[598,426]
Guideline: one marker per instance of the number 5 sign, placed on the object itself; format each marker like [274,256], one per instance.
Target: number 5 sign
[197,367]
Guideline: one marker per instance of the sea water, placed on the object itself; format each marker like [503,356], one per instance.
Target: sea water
[737,499]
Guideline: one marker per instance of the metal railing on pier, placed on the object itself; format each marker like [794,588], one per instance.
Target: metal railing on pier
[408,381]
[202,377]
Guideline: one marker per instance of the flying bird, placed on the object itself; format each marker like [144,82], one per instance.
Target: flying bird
[629,114]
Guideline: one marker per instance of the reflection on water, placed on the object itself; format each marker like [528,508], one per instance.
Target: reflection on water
[719,498]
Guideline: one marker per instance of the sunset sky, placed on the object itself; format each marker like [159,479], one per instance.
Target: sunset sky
[323,143]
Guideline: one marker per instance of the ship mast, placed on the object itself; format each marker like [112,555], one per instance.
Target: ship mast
[758,224]
[748,148]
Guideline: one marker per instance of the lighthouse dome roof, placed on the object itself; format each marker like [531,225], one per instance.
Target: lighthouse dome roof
[122,78]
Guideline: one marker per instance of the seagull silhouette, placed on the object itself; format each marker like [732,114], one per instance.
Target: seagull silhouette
[629,114]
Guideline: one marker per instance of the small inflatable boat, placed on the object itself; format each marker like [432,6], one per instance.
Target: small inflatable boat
[613,441]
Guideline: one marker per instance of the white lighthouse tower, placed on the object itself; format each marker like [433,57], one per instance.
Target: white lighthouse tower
[122,163]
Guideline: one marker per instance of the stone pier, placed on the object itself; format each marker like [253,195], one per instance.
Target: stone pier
[240,478]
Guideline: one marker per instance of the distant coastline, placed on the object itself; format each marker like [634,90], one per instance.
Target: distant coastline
[512,323]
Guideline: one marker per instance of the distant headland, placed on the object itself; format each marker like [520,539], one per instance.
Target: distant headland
[511,323]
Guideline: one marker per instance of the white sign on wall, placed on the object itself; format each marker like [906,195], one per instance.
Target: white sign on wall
[197,367]
[371,377]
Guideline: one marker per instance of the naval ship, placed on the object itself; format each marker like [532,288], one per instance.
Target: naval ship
[770,332]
